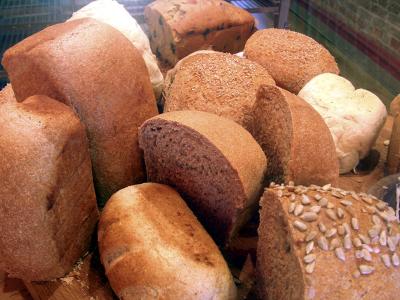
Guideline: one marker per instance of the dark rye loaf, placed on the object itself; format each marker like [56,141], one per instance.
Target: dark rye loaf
[153,247]
[213,162]
[93,68]
[295,139]
[48,208]
[342,246]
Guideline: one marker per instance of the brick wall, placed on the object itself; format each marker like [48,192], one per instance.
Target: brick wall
[379,20]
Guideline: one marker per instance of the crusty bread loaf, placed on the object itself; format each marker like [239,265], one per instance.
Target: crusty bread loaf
[393,155]
[179,27]
[294,137]
[48,208]
[290,57]
[354,116]
[213,162]
[215,82]
[114,14]
[153,247]
[342,246]
[93,68]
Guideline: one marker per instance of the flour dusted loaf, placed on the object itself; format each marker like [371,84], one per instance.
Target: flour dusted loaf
[180,27]
[215,82]
[326,243]
[354,117]
[48,208]
[93,68]
[114,14]
[153,247]
[213,162]
[290,57]
[294,137]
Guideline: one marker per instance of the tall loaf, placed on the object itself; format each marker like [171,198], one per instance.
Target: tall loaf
[180,27]
[48,209]
[93,68]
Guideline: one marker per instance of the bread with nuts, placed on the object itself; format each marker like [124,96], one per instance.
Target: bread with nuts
[326,243]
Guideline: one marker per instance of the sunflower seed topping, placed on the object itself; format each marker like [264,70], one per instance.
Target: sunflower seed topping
[340,213]
[335,243]
[315,209]
[355,196]
[309,247]
[364,239]
[323,202]
[310,236]
[309,216]
[383,238]
[310,267]
[367,200]
[323,243]
[366,255]
[371,209]
[291,208]
[341,230]
[381,205]
[368,248]
[340,254]
[299,225]
[359,254]
[322,227]
[376,220]
[309,258]
[357,242]
[346,202]
[386,260]
[330,205]
[391,243]
[365,269]
[292,197]
[305,200]
[395,260]
[331,232]
[354,224]
[326,187]
[373,232]
[331,214]
[317,197]
[347,242]
[337,195]
[298,210]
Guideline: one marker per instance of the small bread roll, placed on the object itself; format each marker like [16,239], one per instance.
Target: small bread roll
[153,247]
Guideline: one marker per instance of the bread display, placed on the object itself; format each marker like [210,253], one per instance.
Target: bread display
[354,117]
[290,57]
[48,208]
[180,27]
[294,138]
[153,247]
[93,68]
[115,15]
[213,162]
[326,243]
[215,82]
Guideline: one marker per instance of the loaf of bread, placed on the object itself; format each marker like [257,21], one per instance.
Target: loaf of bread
[93,68]
[180,27]
[393,155]
[48,208]
[153,247]
[326,243]
[354,117]
[115,15]
[215,82]
[213,162]
[290,57]
[294,137]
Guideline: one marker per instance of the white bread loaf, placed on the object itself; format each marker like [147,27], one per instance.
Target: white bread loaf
[354,117]
[153,247]
[115,15]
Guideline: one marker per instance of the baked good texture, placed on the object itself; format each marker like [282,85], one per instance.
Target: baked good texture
[153,247]
[393,155]
[354,117]
[48,208]
[326,243]
[290,57]
[180,27]
[93,68]
[215,82]
[213,162]
[294,137]
[115,15]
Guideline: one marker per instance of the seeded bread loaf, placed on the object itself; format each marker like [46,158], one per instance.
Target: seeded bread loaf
[294,137]
[114,14]
[153,247]
[290,57]
[180,27]
[326,243]
[213,162]
[93,68]
[48,208]
[215,82]
[354,116]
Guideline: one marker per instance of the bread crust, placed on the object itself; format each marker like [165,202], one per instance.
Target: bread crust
[290,57]
[48,209]
[152,246]
[93,68]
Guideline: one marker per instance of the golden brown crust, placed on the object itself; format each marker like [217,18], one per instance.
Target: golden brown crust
[151,244]
[336,273]
[312,155]
[104,79]
[48,209]
[290,57]
[215,82]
